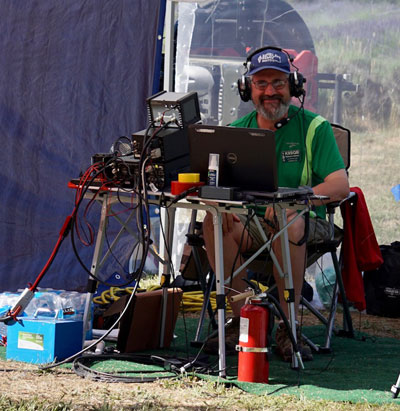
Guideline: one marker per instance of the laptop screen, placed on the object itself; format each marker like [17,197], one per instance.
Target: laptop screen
[247,158]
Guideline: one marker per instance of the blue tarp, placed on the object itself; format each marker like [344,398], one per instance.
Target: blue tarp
[74,76]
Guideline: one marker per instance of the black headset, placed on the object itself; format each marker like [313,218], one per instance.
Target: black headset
[296,79]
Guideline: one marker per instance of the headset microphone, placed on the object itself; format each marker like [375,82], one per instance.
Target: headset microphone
[282,122]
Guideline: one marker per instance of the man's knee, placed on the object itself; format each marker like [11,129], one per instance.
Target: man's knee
[208,226]
[296,230]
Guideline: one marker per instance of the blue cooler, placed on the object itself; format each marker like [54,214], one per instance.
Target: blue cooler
[42,339]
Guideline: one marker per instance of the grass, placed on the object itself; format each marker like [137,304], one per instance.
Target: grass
[183,394]
[375,169]
[359,38]
[24,388]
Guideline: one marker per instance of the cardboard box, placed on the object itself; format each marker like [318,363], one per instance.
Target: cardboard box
[141,325]
[43,340]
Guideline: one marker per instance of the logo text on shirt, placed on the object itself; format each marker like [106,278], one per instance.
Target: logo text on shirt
[291,156]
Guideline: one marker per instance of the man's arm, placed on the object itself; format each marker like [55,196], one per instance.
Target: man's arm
[335,186]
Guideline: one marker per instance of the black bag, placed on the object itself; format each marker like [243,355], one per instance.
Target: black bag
[382,286]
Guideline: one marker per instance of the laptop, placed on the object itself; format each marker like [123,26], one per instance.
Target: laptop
[247,160]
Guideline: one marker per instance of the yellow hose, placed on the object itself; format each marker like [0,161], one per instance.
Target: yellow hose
[192,301]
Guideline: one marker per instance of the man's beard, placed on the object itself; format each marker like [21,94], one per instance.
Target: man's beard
[274,114]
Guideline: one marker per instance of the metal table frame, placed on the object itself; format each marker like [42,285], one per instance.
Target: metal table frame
[215,208]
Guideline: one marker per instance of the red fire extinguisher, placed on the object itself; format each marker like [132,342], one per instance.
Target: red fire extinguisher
[253,365]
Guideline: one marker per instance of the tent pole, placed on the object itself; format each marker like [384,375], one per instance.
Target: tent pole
[169,45]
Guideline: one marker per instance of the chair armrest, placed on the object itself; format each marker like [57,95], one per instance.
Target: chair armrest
[330,207]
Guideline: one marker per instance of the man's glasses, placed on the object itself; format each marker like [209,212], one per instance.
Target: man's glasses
[276,84]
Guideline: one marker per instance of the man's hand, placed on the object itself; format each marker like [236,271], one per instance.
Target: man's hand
[228,221]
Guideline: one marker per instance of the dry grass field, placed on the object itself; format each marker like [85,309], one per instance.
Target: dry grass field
[25,387]
[375,168]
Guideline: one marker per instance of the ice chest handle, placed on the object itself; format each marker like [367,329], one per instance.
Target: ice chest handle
[41,312]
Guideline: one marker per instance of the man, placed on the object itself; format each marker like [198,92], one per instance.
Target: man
[319,165]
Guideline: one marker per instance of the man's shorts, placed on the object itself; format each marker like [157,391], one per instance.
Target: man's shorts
[319,230]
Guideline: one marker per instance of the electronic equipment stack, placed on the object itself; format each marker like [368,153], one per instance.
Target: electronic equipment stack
[166,141]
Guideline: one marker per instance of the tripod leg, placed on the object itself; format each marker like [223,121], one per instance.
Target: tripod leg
[206,306]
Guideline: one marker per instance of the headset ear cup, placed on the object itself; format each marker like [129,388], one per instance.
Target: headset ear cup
[296,82]
[244,88]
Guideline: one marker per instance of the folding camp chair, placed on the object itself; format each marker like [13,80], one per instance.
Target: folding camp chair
[331,246]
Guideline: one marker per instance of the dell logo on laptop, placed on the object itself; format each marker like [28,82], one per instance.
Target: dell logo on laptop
[231,158]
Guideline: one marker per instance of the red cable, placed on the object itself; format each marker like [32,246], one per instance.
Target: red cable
[63,231]
[78,197]
[67,224]
[25,297]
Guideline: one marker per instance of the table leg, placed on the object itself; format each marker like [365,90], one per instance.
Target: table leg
[166,275]
[219,277]
[97,256]
[288,277]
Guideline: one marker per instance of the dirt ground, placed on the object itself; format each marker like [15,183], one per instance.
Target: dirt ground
[370,324]
[21,381]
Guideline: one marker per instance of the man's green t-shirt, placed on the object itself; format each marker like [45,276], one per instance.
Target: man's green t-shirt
[323,156]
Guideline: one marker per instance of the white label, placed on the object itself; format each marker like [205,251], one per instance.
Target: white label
[244,330]
[30,341]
